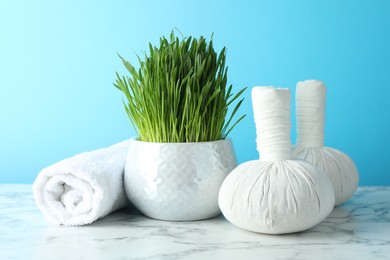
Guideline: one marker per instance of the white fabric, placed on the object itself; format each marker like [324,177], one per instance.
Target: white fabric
[310,113]
[276,197]
[271,109]
[338,166]
[81,189]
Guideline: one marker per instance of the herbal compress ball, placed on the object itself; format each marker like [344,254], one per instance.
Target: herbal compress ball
[310,112]
[275,194]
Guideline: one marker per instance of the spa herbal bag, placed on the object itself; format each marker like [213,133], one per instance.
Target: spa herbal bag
[310,114]
[275,194]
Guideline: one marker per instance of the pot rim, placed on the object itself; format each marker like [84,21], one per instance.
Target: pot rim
[135,139]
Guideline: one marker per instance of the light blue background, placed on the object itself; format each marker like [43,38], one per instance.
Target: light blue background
[58,61]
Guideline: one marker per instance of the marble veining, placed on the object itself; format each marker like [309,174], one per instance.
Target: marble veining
[357,229]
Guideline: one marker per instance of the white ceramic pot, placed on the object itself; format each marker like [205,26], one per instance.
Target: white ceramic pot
[177,181]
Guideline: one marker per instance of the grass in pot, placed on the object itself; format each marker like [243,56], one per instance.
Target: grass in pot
[178,103]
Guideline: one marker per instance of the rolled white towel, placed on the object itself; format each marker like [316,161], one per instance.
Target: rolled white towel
[81,189]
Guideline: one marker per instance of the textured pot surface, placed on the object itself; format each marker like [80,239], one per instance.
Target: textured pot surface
[177,181]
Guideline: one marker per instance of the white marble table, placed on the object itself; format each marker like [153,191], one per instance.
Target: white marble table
[359,229]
